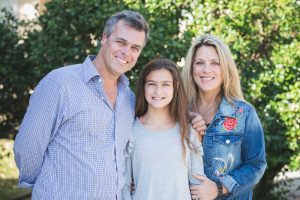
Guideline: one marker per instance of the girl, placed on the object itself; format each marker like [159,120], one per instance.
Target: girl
[163,154]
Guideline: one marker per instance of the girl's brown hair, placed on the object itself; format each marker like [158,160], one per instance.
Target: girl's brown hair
[179,103]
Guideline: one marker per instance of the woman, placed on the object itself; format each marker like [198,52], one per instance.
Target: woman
[234,149]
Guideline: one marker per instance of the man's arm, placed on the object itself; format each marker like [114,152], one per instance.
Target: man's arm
[38,127]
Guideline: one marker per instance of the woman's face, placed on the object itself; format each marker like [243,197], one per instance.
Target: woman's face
[207,70]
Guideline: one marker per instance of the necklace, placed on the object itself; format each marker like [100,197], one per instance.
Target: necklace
[206,115]
[207,111]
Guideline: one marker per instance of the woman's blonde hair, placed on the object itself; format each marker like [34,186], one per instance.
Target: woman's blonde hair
[231,87]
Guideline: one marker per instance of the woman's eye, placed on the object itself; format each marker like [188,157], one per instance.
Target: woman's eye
[199,63]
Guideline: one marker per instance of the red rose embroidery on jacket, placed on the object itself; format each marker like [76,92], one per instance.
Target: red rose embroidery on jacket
[230,123]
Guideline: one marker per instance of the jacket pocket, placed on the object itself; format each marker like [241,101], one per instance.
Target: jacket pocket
[228,139]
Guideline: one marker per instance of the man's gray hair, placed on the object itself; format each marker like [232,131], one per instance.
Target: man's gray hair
[131,18]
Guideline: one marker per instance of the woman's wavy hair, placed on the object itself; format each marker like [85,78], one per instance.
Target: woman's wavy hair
[231,87]
[178,106]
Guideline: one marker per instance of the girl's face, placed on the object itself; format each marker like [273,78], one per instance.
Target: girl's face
[207,71]
[159,89]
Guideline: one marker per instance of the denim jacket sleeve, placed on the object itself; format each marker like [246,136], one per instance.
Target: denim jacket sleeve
[253,158]
[40,122]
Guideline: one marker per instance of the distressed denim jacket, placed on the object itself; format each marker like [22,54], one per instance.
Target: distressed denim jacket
[234,149]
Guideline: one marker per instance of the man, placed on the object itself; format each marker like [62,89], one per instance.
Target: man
[71,140]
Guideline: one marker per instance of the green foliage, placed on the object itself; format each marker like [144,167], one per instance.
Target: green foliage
[15,75]
[263,36]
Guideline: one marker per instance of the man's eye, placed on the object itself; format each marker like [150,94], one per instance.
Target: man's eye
[135,49]
[120,42]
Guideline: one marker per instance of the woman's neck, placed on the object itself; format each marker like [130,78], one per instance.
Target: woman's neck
[157,119]
[208,99]
[208,105]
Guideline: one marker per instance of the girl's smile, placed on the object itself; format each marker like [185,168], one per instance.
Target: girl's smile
[159,89]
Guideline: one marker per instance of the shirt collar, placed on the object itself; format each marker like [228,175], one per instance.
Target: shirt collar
[90,71]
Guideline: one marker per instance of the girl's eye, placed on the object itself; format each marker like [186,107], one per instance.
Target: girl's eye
[166,85]
[150,84]
[216,63]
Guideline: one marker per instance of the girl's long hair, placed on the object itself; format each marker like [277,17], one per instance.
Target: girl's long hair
[178,105]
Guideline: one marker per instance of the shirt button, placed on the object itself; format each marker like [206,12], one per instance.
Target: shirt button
[227,141]
[100,80]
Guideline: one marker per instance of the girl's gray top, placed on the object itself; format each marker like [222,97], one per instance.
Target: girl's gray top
[155,164]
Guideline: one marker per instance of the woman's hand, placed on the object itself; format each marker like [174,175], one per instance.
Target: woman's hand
[198,124]
[207,190]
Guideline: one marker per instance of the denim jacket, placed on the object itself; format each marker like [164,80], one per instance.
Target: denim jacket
[234,149]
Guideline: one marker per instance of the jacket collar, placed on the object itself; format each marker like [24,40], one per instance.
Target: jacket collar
[227,109]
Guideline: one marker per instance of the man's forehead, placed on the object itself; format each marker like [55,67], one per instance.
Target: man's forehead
[129,34]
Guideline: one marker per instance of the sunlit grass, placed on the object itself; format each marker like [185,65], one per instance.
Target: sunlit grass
[8,172]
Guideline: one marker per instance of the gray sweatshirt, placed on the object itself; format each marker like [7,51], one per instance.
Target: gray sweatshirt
[155,163]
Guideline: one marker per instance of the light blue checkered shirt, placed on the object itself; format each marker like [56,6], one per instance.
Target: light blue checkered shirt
[70,143]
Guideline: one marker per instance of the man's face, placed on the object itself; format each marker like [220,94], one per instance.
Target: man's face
[122,48]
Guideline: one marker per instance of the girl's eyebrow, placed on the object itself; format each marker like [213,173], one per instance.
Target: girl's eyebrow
[158,81]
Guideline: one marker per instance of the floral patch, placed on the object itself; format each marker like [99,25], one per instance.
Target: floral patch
[222,166]
[231,123]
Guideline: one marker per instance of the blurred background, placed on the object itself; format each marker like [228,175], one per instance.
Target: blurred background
[37,36]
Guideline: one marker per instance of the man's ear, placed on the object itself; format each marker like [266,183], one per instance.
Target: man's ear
[103,39]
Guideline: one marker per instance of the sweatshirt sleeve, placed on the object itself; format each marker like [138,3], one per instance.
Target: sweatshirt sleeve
[126,191]
[196,159]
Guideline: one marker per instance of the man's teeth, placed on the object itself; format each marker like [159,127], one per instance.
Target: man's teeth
[121,60]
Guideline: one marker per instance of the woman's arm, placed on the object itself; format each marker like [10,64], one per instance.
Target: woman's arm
[253,158]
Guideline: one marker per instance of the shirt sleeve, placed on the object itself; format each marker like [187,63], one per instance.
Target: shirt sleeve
[196,159]
[126,191]
[253,158]
[39,125]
